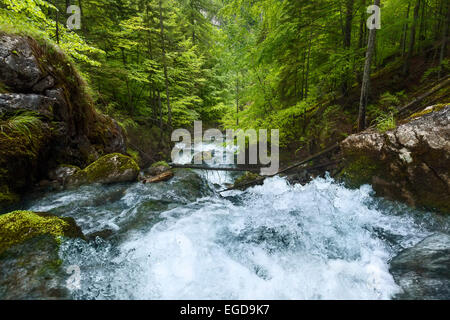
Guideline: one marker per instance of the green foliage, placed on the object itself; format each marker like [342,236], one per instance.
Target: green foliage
[385,122]
[359,170]
[28,17]
[293,65]
[20,125]
[160,164]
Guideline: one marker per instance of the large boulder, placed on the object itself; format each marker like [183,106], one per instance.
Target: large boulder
[112,168]
[29,259]
[409,163]
[46,115]
[19,226]
[423,271]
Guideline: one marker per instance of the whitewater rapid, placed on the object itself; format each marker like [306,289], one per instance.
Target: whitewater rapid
[184,240]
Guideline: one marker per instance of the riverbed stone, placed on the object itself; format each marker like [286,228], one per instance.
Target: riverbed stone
[19,226]
[423,271]
[112,168]
[409,163]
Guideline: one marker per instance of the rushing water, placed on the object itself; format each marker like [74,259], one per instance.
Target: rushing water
[184,240]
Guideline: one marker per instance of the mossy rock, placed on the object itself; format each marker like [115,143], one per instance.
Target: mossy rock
[359,171]
[160,164]
[33,270]
[428,110]
[19,226]
[157,168]
[246,178]
[112,168]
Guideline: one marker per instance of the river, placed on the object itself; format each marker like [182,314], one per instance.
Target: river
[182,239]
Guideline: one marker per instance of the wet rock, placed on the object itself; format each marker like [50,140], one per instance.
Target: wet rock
[423,271]
[19,68]
[19,226]
[44,84]
[157,168]
[189,183]
[38,77]
[63,172]
[248,177]
[11,103]
[409,163]
[103,234]
[32,270]
[29,260]
[112,168]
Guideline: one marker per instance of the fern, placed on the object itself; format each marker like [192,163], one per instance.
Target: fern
[385,122]
[21,125]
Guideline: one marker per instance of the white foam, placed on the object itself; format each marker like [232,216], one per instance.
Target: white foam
[284,242]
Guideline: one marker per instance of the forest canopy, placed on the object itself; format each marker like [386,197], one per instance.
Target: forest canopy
[240,63]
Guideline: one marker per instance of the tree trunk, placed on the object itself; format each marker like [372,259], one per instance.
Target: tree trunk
[366,77]
[237,99]
[57,27]
[444,40]
[347,38]
[412,42]
[307,70]
[348,23]
[163,47]
[405,31]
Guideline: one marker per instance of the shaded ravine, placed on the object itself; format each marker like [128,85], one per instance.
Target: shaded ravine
[183,240]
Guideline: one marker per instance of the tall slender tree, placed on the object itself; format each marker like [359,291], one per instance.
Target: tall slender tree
[366,77]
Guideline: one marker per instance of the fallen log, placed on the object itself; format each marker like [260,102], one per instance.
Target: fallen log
[445,82]
[165,176]
[205,167]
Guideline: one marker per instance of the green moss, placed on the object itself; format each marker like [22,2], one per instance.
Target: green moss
[359,171]
[111,168]
[21,145]
[114,162]
[160,164]
[429,110]
[19,226]
[247,177]
[134,154]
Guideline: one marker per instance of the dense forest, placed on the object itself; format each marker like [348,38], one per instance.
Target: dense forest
[98,202]
[293,65]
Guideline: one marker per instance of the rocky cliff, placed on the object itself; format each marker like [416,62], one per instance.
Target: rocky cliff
[47,117]
[410,163]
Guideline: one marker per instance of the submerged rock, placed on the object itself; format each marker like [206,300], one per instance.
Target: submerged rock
[248,177]
[409,163]
[112,168]
[33,270]
[157,168]
[423,271]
